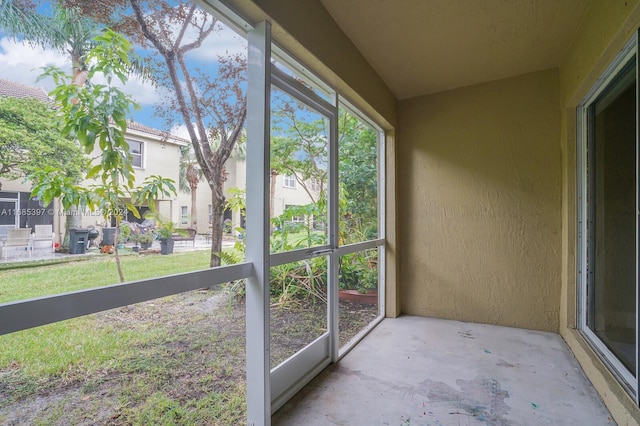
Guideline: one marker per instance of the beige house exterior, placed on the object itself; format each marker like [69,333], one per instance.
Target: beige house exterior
[154,153]
[287,192]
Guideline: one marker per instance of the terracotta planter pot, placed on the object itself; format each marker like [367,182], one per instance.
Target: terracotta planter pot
[353,296]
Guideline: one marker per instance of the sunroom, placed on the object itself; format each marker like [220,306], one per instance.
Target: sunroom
[503,194]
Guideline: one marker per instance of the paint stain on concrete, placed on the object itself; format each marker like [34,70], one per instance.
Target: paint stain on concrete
[503,363]
[466,334]
[481,398]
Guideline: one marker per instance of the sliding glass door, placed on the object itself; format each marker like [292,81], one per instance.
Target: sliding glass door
[609,218]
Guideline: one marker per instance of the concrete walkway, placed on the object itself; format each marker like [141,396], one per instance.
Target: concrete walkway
[200,243]
[422,371]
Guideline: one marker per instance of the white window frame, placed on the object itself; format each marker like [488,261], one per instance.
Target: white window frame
[625,377]
[314,184]
[289,181]
[142,155]
[184,215]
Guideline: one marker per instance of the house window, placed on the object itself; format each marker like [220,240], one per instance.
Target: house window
[297,218]
[136,149]
[315,185]
[184,215]
[289,181]
[607,219]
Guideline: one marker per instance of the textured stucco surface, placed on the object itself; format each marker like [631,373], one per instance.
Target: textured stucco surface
[479,193]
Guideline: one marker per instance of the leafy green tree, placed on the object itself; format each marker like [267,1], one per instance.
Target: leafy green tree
[299,148]
[212,108]
[97,114]
[66,30]
[30,140]
[190,176]
[358,176]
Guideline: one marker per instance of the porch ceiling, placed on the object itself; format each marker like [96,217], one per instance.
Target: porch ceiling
[421,47]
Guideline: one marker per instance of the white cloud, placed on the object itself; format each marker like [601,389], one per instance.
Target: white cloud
[144,92]
[220,43]
[22,63]
[180,130]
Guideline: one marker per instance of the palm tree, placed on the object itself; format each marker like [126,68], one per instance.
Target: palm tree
[16,20]
[190,176]
[65,31]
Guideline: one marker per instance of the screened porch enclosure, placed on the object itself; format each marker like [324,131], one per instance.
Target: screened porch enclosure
[299,255]
[499,238]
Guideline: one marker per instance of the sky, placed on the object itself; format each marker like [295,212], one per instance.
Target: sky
[22,63]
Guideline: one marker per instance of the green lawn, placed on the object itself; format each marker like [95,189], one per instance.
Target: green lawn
[174,360]
[100,270]
[150,363]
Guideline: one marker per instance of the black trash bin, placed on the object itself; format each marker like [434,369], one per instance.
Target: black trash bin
[108,236]
[78,240]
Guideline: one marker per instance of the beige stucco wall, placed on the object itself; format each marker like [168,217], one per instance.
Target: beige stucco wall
[236,178]
[479,203]
[605,29]
[158,159]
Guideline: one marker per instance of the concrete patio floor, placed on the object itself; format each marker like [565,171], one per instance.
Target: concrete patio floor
[422,371]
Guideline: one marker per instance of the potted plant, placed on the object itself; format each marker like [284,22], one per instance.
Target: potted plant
[165,231]
[124,234]
[135,238]
[359,279]
[145,240]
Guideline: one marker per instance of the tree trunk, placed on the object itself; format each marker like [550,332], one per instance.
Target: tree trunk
[73,220]
[194,212]
[74,216]
[217,207]
[117,254]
